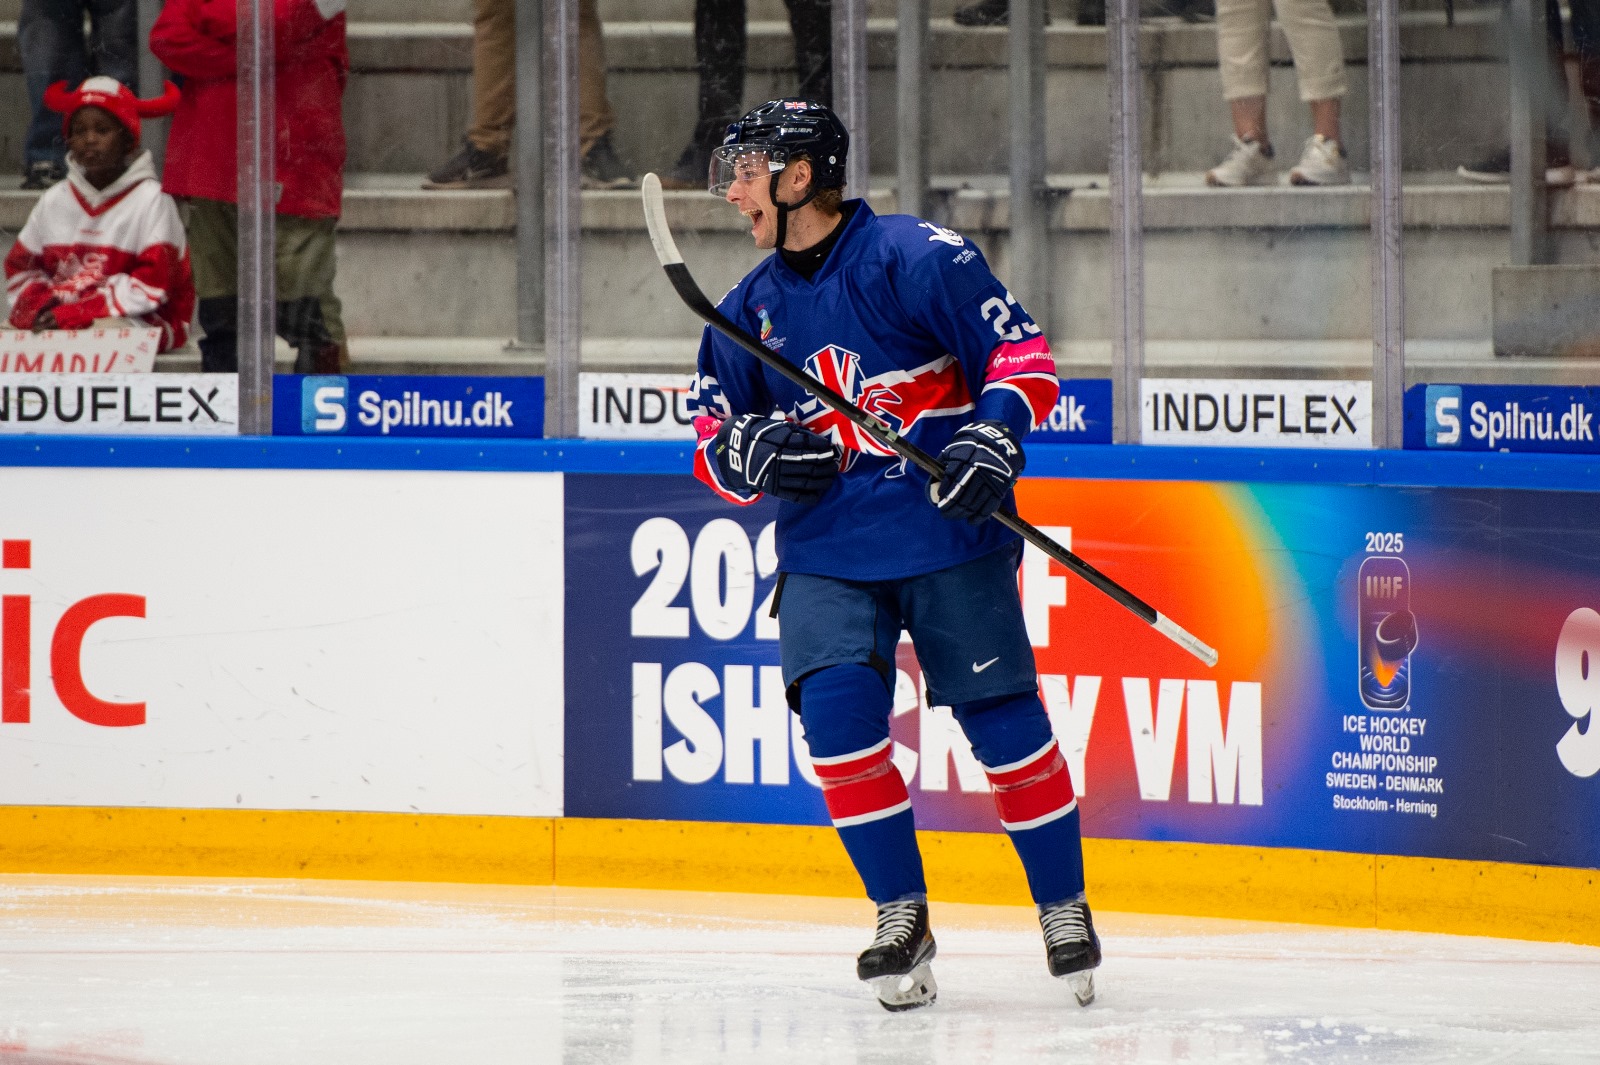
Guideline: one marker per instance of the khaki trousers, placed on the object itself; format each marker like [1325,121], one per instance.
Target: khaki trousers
[494,77]
[1243,47]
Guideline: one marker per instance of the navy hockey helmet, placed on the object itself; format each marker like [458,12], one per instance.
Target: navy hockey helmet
[767,138]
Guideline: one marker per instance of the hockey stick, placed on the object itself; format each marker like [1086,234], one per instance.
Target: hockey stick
[655,216]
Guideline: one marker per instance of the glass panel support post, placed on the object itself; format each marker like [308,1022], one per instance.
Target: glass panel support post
[528,177]
[1532,82]
[563,294]
[850,88]
[1388,263]
[1127,218]
[911,87]
[1029,206]
[257,192]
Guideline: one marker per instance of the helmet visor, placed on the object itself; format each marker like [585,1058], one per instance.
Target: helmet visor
[743,162]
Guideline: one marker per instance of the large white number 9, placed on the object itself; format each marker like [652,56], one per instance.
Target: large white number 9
[1578,683]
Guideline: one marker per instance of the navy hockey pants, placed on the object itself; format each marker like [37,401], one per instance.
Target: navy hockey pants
[837,640]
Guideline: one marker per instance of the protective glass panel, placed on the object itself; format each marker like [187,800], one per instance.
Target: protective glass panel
[1256,238]
[678,79]
[1500,263]
[427,266]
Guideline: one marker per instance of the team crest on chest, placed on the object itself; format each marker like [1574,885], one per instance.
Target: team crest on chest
[901,398]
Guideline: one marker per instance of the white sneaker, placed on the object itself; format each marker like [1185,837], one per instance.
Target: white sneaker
[1247,164]
[1322,163]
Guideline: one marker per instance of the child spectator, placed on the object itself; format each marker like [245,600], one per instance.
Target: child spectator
[106,243]
[197,38]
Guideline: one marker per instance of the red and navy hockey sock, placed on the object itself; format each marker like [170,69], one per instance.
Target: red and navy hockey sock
[845,710]
[1032,790]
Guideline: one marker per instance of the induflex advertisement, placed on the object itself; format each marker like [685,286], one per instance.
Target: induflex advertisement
[1402,671]
[281,639]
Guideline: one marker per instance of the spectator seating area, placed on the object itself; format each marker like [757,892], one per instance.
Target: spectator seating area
[1246,281]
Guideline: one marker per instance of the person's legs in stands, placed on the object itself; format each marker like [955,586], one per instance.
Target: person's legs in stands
[484,159]
[720,44]
[596,117]
[1586,42]
[212,228]
[114,40]
[309,316]
[50,39]
[812,24]
[1495,167]
[1242,54]
[1313,37]
[1558,123]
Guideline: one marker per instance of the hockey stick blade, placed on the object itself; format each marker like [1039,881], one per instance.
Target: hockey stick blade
[655,217]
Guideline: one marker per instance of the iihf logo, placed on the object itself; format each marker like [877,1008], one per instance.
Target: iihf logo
[766,322]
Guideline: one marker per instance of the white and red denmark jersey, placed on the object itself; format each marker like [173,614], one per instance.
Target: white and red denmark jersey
[88,253]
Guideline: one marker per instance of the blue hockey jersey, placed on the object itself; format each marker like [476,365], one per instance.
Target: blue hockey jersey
[904,319]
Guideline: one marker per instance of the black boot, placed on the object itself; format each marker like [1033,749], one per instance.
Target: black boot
[989,13]
[219,346]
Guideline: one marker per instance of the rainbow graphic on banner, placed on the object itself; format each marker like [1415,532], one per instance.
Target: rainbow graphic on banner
[1387,680]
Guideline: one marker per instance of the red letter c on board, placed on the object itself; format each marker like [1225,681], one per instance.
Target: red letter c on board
[66,659]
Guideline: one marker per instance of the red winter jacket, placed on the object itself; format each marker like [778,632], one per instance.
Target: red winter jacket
[196,38]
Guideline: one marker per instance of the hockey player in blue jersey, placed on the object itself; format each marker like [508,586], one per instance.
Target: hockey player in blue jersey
[905,319]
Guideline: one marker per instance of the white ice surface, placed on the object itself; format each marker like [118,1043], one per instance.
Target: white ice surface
[104,971]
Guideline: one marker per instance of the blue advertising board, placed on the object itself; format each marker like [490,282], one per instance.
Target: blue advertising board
[420,406]
[1402,672]
[1082,414]
[1502,418]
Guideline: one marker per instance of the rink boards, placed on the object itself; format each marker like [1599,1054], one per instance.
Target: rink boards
[554,662]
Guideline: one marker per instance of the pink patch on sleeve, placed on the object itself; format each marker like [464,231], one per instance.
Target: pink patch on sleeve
[1021,357]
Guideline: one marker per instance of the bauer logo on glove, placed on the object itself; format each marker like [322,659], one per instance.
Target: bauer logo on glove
[980,465]
[776,457]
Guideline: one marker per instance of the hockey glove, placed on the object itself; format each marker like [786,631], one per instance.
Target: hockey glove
[980,465]
[776,457]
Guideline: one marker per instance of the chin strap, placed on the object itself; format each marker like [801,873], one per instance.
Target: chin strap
[785,208]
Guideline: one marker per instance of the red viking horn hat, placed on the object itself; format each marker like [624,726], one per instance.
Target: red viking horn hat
[113,96]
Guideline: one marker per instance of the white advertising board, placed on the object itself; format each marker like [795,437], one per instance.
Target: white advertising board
[119,404]
[282,639]
[121,350]
[1243,413]
[634,406]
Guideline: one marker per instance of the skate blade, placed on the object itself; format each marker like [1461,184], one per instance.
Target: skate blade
[1082,985]
[908,992]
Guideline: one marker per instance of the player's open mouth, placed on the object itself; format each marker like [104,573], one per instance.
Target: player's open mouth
[754,215]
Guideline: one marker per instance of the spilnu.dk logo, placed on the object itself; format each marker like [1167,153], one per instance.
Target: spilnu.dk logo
[322,404]
[1443,404]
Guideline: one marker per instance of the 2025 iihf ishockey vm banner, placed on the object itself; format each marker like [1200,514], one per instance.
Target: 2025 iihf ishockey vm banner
[1402,672]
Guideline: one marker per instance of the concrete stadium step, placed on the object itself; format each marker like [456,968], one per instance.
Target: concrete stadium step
[1242,273]
[408,101]
[1427,361]
[1278,264]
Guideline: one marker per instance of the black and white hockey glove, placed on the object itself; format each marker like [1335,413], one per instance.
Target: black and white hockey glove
[980,465]
[776,457]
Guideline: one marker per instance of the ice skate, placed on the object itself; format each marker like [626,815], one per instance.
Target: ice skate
[898,964]
[1072,950]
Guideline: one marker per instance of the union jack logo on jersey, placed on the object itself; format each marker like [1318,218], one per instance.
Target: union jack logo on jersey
[901,398]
